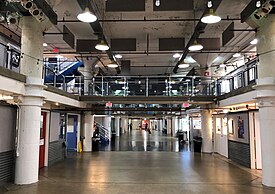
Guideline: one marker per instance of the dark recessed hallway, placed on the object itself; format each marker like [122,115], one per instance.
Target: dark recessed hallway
[143,172]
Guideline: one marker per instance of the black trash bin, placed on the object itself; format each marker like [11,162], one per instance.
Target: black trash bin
[95,143]
[113,138]
[180,136]
[197,142]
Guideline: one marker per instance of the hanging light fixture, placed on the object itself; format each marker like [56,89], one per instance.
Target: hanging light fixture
[87,16]
[211,17]
[183,65]
[102,46]
[112,64]
[195,46]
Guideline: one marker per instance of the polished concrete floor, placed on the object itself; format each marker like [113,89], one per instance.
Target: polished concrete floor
[126,172]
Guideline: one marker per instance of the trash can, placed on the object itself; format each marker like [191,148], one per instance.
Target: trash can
[113,138]
[95,143]
[180,136]
[197,142]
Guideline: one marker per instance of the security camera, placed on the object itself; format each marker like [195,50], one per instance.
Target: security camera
[27,4]
[272,2]
[12,18]
[2,18]
[267,7]
[259,14]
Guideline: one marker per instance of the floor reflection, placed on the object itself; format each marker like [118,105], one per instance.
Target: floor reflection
[142,141]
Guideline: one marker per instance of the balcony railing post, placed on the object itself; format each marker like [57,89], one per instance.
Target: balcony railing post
[102,86]
[147,86]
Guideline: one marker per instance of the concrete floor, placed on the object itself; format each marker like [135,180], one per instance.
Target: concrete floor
[119,172]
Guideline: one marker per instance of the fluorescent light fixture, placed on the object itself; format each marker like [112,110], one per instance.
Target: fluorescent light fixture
[86,16]
[177,55]
[102,46]
[236,55]
[113,64]
[195,46]
[210,18]
[45,44]
[157,3]
[118,56]
[254,42]
[225,111]
[59,56]
[183,65]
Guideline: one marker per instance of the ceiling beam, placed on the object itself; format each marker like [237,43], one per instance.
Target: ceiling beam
[199,27]
[97,27]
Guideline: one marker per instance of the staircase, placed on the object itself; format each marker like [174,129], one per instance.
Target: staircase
[103,134]
[65,68]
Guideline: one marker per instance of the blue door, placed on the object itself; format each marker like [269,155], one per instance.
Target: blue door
[72,133]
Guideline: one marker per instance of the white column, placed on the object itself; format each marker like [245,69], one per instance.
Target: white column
[266,98]
[117,125]
[160,125]
[88,131]
[107,124]
[27,156]
[169,126]
[174,125]
[124,124]
[206,131]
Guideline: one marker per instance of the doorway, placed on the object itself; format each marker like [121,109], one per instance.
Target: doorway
[72,133]
[42,139]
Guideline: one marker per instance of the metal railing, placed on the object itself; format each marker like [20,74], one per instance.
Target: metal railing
[158,85]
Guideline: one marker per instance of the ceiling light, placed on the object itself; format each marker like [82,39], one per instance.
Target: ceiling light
[258,4]
[195,46]
[45,44]
[102,46]
[211,17]
[87,16]
[236,55]
[183,65]
[113,64]
[118,56]
[255,41]
[177,55]
[157,3]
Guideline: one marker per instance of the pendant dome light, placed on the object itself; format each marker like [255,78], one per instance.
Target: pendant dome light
[183,65]
[87,16]
[195,46]
[102,46]
[112,64]
[210,17]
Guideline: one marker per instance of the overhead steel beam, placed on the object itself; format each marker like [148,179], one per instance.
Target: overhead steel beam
[147,20]
[97,27]
[199,27]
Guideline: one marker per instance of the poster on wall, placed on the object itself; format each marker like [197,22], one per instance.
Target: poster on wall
[231,127]
[218,125]
[240,127]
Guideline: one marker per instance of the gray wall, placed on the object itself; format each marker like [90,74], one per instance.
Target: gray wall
[235,117]
[54,126]
[7,140]
[7,128]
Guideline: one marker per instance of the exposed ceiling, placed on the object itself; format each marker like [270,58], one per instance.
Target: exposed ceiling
[147,27]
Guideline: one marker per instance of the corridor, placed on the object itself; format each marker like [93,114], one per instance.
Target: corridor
[145,164]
